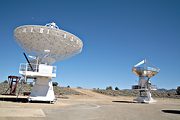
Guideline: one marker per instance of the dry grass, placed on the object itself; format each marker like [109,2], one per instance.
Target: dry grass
[158,94]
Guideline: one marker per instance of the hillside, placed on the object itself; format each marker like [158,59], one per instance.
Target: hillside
[27,88]
[161,93]
[158,93]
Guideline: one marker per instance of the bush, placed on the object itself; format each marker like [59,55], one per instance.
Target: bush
[5,81]
[55,84]
[116,88]
[109,88]
[79,87]
[178,90]
[68,86]
[31,84]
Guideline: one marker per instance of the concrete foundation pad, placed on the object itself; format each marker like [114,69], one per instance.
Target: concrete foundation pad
[21,112]
[91,106]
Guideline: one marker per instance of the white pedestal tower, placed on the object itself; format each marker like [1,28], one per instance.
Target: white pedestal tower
[47,44]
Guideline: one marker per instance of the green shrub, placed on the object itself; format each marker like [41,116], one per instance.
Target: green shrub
[31,84]
[55,83]
[116,88]
[5,81]
[178,90]
[109,88]
[79,87]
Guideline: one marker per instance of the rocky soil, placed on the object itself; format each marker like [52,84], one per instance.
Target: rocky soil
[27,88]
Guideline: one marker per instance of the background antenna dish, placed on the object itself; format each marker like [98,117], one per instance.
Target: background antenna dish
[144,71]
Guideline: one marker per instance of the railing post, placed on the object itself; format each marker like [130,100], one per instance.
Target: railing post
[36,67]
[26,66]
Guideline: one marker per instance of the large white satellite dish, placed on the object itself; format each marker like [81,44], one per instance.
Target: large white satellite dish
[36,40]
[48,44]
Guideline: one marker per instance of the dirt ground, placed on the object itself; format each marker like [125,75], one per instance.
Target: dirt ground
[90,106]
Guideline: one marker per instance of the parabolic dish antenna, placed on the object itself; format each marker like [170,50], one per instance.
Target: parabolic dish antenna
[46,45]
[48,42]
[144,71]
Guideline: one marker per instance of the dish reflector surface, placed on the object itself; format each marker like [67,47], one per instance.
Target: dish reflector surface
[145,69]
[49,43]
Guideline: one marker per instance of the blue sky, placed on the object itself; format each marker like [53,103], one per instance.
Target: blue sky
[116,35]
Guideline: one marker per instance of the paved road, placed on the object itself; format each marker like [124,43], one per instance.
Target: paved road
[92,106]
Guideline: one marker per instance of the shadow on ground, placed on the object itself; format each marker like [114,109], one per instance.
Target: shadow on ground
[13,99]
[171,111]
[124,101]
[21,100]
